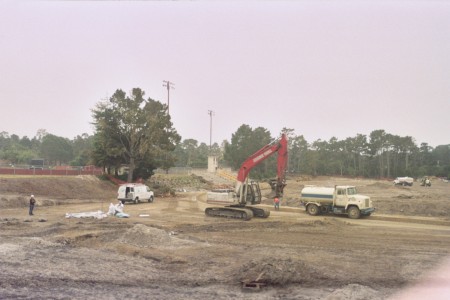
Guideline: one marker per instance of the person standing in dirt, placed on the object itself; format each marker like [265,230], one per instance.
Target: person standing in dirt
[32,203]
[276,203]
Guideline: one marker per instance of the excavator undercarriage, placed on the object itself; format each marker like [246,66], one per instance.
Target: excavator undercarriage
[236,212]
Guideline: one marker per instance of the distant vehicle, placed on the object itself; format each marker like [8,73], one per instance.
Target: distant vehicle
[37,164]
[404,181]
[425,181]
[134,192]
[336,200]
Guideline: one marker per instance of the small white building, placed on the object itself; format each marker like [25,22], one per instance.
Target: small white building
[213,163]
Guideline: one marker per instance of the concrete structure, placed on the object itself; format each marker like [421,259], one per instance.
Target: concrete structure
[213,163]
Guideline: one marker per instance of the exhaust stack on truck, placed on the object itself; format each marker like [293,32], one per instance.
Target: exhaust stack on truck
[337,200]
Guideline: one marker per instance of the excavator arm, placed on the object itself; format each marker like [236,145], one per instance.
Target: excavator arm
[258,157]
[282,165]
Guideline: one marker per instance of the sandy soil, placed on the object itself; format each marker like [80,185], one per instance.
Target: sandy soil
[176,252]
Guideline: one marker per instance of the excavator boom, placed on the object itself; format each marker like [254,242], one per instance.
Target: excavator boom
[258,157]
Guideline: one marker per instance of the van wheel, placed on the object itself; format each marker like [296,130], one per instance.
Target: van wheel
[136,201]
[354,212]
[150,199]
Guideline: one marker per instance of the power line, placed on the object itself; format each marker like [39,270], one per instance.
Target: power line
[169,85]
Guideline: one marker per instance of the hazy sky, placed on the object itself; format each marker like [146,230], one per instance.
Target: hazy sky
[322,68]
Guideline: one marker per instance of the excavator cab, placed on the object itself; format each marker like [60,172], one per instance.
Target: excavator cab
[253,193]
[249,193]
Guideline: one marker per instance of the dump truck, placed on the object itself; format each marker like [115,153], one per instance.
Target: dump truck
[336,200]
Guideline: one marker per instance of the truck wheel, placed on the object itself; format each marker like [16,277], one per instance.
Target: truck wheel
[136,200]
[354,212]
[150,199]
[313,210]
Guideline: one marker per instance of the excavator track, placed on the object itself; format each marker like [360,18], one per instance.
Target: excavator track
[230,212]
[259,212]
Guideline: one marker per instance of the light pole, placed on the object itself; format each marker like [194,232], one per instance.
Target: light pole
[210,113]
[169,85]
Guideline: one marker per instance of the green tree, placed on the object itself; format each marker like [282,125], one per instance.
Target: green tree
[82,149]
[441,155]
[139,130]
[106,152]
[56,149]
[186,151]
[200,158]
[298,148]
[246,141]
[377,147]
[353,154]
[11,153]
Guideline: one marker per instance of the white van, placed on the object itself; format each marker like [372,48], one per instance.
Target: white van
[134,192]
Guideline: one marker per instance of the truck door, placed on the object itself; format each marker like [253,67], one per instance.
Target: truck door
[341,197]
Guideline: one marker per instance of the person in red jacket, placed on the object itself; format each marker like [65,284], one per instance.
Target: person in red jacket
[276,203]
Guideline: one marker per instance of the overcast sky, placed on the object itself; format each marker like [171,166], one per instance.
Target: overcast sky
[323,68]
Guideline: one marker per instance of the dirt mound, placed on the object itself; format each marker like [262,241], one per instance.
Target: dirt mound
[170,183]
[12,201]
[147,237]
[50,190]
[380,185]
[279,272]
[354,292]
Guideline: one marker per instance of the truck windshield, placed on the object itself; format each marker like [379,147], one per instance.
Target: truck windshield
[351,191]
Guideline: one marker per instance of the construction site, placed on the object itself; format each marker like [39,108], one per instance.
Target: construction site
[169,249]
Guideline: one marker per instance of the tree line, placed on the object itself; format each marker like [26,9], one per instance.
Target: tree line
[56,150]
[378,155]
[137,132]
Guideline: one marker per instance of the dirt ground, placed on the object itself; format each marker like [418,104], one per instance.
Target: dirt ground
[169,249]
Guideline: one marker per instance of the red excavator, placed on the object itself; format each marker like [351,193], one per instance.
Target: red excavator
[247,192]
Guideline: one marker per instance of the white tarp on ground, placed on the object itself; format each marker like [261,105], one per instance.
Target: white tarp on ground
[93,214]
[114,210]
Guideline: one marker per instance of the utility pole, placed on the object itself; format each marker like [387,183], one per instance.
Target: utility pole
[210,113]
[169,85]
